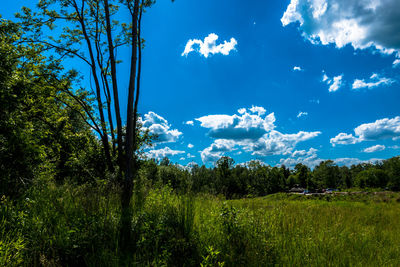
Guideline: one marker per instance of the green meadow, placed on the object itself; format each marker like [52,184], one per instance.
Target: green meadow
[69,226]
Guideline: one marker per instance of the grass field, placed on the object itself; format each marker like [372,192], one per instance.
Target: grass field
[68,226]
[299,230]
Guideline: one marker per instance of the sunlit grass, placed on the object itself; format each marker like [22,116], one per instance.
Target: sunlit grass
[67,225]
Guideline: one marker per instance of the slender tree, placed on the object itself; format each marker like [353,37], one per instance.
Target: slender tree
[90,34]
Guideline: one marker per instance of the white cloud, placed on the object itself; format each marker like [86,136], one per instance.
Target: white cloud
[374,148]
[337,83]
[190,146]
[209,46]
[159,126]
[301,153]
[354,161]
[344,139]
[311,159]
[375,81]
[360,23]
[244,126]
[302,114]
[396,62]
[216,150]
[334,83]
[241,110]
[250,131]
[208,157]
[188,155]
[276,143]
[297,68]
[189,123]
[259,110]
[163,152]
[380,129]
[182,158]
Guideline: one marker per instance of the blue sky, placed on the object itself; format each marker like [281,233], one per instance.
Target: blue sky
[341,102]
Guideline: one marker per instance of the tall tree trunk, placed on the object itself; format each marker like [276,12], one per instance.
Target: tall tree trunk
[127,188]
[139,200]
[114,85]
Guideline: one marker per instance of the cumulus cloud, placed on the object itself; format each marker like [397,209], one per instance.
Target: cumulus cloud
[360,23]
[190,146]
[334,83]
[374,148]
[216,150]
[311,159]
[344,139]
[375,80]
[159,126]
[302,114]
[208,157]
[189,123]
[276,143]
[259,110]
[248,125]
[301,153]
[163,152]
[241,110]
[380,129]
[355,161]
[209,46]
[297,68]
[396,62]
[251,131]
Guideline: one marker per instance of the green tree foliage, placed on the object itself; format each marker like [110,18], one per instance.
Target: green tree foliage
[43,124]
[276,181]
[224,179]
[202,179]
[174,176]
[346,176]
[375,178]
[165,162]
[327,174]
[303,175]
[392,167]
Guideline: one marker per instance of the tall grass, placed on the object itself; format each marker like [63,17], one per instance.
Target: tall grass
[78,225]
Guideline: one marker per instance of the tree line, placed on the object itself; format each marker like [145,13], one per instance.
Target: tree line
[257,179]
